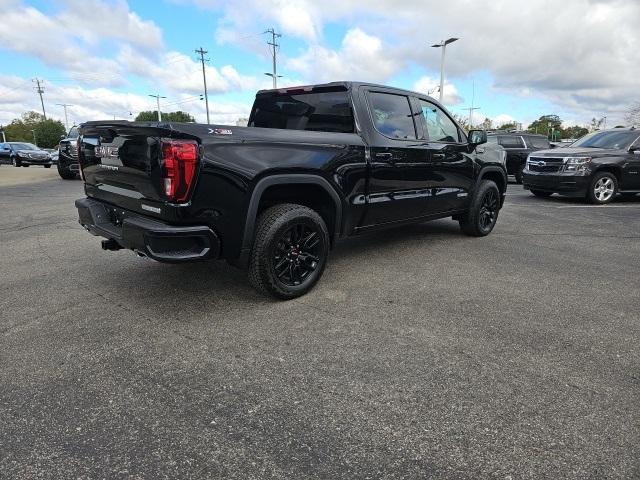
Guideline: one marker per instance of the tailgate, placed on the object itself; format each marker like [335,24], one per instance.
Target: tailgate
[124,163]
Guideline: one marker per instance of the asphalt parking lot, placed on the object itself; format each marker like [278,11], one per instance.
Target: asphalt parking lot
[421,354]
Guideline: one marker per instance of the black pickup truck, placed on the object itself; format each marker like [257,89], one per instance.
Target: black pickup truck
[316,163]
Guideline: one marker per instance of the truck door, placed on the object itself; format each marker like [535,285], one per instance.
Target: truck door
[449,170]
[395,193]
[631,169]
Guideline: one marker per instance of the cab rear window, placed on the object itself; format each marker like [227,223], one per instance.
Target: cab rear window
[327,111]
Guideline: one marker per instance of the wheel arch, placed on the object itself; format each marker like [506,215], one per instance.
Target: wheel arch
[611,168]
[279,184]
[498,175]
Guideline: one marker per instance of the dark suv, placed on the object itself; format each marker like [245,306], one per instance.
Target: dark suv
[597,167]
[518,146]
[68,155]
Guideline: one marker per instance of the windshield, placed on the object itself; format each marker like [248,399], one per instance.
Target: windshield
[24,146]
[611,140]
[73,133]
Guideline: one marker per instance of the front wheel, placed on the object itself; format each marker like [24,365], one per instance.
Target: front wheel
[289,252]
[47,166]
[15,162]
[603,188]
[65,173]
[483,212]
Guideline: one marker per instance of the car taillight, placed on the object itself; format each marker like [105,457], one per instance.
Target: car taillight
[78,146]
[179,162]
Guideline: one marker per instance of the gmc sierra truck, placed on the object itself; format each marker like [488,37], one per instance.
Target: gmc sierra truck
[315,164]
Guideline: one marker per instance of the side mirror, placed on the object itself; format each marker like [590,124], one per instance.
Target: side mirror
[635,149]
[477,137]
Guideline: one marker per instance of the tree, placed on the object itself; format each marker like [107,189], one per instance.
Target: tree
[549,125]
[47,132]
[461,121]
[633,114]
[574,132]
[509,126]
[487,124]
[152,116]
[596,123]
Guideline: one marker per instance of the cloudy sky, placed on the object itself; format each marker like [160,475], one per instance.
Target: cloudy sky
[515,60]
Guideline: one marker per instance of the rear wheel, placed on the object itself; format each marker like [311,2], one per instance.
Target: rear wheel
[290,251]
[483,213]
[603,188]
[542,194]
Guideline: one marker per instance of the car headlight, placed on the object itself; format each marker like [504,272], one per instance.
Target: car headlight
[576,164]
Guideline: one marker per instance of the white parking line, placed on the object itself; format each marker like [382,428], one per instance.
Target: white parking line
[572,206]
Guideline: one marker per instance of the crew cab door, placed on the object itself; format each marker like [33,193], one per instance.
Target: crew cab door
[395,192]
[517,152]
[631,168]
[449,172]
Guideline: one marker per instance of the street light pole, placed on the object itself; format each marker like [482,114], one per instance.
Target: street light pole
[66,119]
[35,142]
[158,97]
[443,44]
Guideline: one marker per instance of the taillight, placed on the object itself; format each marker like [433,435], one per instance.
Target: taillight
[78,146]
[179,162]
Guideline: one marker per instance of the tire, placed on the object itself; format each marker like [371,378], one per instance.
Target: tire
[518,174]
[26,166]
[15,162]
[483,212]
[65,173]
[47,166]
[603,188]
[276,265]
[541,194]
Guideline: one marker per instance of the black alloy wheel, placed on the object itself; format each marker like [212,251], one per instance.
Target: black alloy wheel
[290,251]
[297,254]
[483,211]
[489,210]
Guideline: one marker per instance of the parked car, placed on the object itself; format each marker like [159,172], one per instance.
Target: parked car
[68,155]
[596,167]
[316,164]
[23,154]
[54,154]
[518,146]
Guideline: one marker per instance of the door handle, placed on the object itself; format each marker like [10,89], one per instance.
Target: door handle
[384,155]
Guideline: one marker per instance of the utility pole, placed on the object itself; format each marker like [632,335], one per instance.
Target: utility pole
[35,142]
[4,138]
[40,90]
[202,53]
[158,97]
[66,119]
[472,108]
[274,51]
[443,44]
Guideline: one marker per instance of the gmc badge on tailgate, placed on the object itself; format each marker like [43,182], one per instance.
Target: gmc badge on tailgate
[105,151]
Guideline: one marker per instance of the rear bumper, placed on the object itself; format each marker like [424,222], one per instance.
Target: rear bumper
[556,183]
[149,237]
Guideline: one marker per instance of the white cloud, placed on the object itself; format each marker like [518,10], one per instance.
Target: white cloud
[361,57]
[431,86]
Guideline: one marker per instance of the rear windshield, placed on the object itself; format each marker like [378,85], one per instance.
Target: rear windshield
[321,112]
[612,140]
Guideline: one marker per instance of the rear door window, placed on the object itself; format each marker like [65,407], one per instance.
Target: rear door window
[392,115]
[511,142]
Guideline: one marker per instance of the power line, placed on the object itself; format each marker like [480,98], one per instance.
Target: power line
[158,97]
[40,90]
[202,52]
[66,119]
[274,52]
